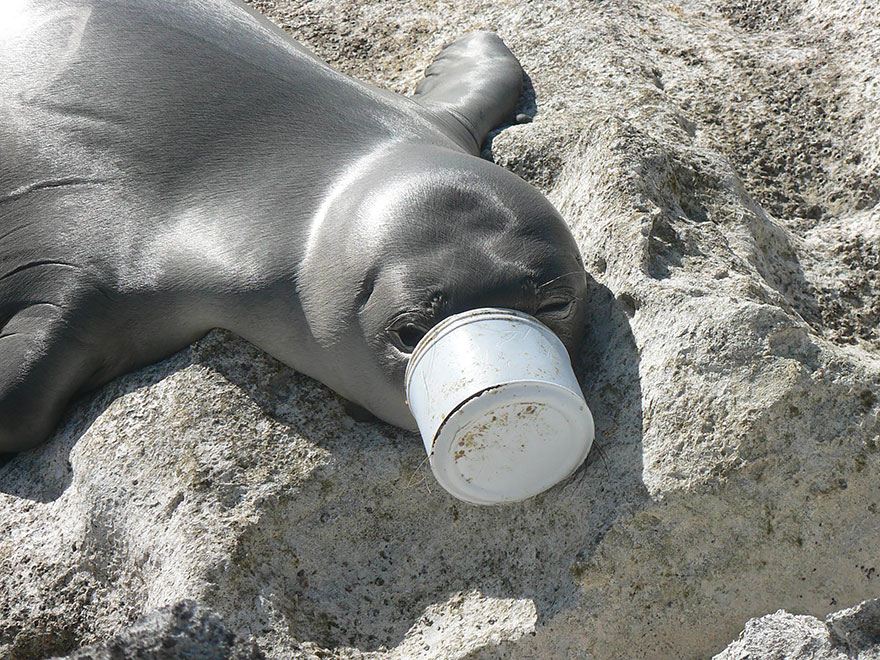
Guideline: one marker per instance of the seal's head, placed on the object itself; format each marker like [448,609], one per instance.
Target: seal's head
[421,234]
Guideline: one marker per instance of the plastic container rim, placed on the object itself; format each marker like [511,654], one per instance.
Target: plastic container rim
[520,381]
[464,318]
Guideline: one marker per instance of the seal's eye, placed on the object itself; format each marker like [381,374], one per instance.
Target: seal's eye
[406,333]
[558,307]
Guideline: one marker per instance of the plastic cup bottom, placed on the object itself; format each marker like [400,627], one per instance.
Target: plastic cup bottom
[511,442]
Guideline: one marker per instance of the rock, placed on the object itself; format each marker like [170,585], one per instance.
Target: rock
[849,634]
[857,630]
[719,164]
[177,632]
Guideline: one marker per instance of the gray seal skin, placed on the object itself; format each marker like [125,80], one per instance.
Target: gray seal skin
[171,167]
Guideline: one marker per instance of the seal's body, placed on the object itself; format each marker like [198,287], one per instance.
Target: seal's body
[168,168]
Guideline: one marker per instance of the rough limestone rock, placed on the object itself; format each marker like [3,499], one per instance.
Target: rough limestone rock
[851,634]
[719,164]
[183,631]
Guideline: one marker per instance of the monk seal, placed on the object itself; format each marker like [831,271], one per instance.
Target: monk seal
[168,168]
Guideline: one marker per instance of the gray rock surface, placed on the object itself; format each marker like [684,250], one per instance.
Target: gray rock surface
[183,631]
[719,164]
[851,634]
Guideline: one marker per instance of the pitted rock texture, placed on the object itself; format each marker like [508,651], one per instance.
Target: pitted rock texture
[851,634]
[183,631]
[718,164]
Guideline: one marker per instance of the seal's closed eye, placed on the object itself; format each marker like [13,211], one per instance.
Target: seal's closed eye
[556,307]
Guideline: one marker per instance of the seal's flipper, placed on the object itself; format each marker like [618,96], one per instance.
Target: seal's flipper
[39,371]
[474,83]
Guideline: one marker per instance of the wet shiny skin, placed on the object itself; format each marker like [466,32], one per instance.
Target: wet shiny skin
[169,168]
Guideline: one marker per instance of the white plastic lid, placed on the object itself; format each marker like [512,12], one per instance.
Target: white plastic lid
[511,442]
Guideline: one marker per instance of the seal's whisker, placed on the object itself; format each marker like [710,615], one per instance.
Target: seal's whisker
[601,455]
[371,301]
[548,282]
[417,472]
[451,267]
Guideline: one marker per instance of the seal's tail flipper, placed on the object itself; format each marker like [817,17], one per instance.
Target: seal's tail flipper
[474,83]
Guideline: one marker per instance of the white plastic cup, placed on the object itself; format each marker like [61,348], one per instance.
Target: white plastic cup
[499,408]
